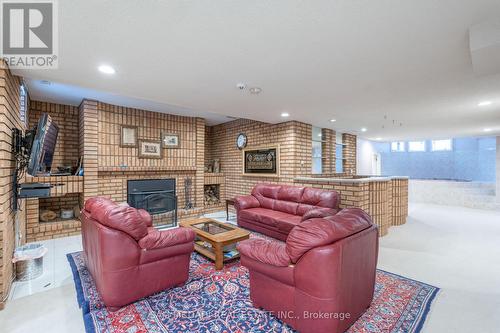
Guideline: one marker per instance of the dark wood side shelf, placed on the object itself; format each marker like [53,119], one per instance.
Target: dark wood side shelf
[61,185]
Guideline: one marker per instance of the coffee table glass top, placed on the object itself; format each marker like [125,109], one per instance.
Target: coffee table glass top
[213,227]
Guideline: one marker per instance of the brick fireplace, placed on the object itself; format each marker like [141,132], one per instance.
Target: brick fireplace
[157,196]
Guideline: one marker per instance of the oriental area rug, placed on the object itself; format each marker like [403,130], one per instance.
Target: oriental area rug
[219,301]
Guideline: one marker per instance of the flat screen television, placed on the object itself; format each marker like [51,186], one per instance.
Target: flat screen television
[44,144]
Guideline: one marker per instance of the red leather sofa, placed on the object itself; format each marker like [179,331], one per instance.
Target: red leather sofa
[127,257]
[322,279]
[274,210]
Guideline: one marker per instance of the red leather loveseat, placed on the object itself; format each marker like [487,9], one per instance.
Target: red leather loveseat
[322,279]
[127,257]
[274,210]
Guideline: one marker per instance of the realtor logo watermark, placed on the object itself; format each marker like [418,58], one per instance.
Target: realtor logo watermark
[29,34]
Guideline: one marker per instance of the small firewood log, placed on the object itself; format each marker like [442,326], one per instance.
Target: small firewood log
[47,215]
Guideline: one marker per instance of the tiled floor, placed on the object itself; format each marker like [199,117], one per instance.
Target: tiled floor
[56,271]
[454,248]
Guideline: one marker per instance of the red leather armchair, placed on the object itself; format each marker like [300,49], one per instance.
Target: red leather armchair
[274,210]
[127,257]
[322,279]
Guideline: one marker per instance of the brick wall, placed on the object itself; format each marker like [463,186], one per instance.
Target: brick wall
[294,139]
[88,125]
[66,117]
[350,148]
[9,118]
[68,201]
[66,193]
[149,127]
[385,200]
[117,164]
[208,145]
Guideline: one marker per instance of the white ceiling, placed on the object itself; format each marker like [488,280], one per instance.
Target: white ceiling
[353,60]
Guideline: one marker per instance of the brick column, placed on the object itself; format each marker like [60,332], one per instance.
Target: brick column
[295,141]
[399,201]
[88,123]
[349,163]
[379,206]
[199,180]
[328,150]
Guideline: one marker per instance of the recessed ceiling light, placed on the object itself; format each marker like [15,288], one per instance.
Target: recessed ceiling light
[333,120]
[106,69]
[363,129]
[255,90]
[487,130]
[45,82]
[378,139]
[485,103]
[285,114]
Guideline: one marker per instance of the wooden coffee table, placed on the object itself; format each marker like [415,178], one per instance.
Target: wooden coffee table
[218,235]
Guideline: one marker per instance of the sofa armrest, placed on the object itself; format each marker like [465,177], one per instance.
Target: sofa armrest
[266,252]
[156,239]
[245,202]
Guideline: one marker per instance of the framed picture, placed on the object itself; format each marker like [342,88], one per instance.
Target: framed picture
[150,149]
[261,162]
[170,140]
[128,136]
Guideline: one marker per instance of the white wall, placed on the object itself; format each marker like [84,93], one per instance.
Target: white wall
[364,156]
[498,169]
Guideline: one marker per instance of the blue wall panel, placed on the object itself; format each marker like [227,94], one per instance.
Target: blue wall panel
[471,159]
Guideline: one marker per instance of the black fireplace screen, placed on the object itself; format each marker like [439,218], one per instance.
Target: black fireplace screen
[157,196]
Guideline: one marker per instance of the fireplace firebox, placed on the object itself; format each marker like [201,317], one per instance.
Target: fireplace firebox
[157,196]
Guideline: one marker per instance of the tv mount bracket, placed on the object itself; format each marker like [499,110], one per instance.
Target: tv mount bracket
[21,146]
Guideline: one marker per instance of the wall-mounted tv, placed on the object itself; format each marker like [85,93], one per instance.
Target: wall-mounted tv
[44,145]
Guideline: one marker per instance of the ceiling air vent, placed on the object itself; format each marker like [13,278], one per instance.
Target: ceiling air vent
[484,43]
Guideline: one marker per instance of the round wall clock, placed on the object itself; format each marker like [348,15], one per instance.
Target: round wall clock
[241,141]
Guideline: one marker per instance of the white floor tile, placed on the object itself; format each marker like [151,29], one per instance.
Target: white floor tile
[56,270]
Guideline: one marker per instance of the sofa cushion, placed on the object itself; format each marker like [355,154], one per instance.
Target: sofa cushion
[319,213]
[290,193]
[287,223]
[304,208]
[317,232]
[282,221]
[266,194]
[266,190]
[265,216]
[286,206]
[320,197]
